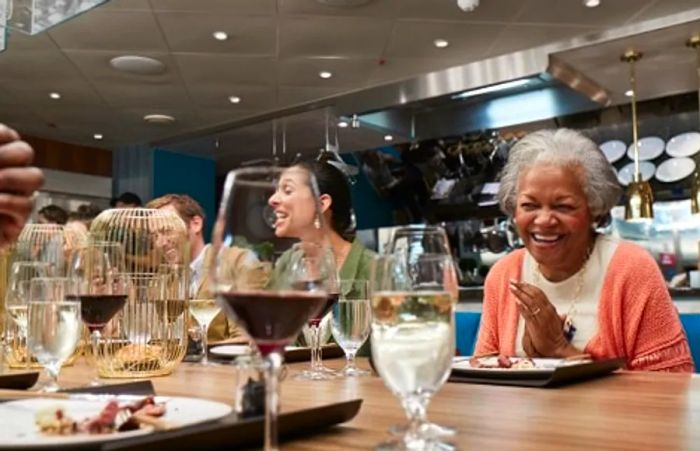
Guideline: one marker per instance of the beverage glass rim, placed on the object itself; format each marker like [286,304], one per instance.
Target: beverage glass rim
[58,303]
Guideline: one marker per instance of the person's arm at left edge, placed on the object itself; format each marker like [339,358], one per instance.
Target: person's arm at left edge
[18,181]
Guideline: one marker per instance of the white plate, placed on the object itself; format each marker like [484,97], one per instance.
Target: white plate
[19,430]
[675,169]
[238,350]
[541,365]
[626,174]
[649,148]
[684,145]
[613,150]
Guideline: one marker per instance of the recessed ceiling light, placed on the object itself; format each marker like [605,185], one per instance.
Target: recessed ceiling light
[98,136]
[325,74]
[342,124]
[158,119]
[220,35]
[388,138]
[591,3]
[139,65]
[629,93]
[234,99]
[55,95]
[441,43]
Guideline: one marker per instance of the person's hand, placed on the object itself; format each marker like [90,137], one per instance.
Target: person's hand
[544,328]
[18,181]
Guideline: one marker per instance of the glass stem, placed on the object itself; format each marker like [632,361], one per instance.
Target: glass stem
[205,343]
[350,360]
[315,348]
[272,404]
[415,407]
[95,342]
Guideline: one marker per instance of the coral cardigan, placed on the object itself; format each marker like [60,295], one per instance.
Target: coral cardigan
[636,317]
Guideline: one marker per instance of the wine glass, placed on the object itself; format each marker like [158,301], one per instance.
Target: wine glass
[101,287]
[278,282]
[351,322]
[412,336]
[411,243]
[53,324]
[17,297]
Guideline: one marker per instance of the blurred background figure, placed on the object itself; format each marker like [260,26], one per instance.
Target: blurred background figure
[126,200]
[52,214]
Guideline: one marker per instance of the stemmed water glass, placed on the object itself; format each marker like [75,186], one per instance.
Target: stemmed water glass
[351,322]
[53,324]
[412,336]
[412,243]
[314,336]
[17,297]
[101,286]
[279,283]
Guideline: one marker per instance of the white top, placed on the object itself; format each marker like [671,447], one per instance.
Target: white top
[560,294]
[196,270]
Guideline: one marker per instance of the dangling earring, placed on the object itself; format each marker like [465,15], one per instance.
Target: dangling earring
[317,223]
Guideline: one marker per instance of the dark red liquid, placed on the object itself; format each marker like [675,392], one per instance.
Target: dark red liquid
[272,319]
[316,319]
[97,309]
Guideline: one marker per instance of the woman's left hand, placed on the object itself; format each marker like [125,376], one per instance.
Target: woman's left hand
[543,325]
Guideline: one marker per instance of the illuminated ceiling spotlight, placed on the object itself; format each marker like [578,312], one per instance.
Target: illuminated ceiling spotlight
[388,138]
[468,5]
[591,3]
[325,74]
[441,43]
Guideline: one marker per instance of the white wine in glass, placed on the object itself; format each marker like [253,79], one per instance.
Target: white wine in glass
[204,311]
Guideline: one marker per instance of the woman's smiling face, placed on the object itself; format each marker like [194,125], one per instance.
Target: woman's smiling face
[553,218]
[293,203]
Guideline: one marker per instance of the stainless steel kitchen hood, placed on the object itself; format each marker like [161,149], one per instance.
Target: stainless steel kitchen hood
[566,77]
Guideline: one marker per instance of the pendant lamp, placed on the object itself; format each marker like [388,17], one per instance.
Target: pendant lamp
[640,199]
[694,43]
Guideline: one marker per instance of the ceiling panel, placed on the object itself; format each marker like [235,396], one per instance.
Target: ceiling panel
[73,92]
[201,68]
[94,65]
[329,36]
[609,13]
[134,5]
[151,95]
[192,32]
[488,10]
[374,8]
[242,7]
[660,8]
[347,72]
[290,95]
[220,115]
[415,39]
[110,30]
[20,68]
[519,37]
[253,97]
[395,69]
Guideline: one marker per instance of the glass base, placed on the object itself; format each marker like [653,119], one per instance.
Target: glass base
[323,374]
[427,430]
[416,444]
[353,372]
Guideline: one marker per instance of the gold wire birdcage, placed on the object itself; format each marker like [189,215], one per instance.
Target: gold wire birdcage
[149,336]
[50,247]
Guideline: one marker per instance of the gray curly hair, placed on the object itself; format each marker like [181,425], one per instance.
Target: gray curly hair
[568,148]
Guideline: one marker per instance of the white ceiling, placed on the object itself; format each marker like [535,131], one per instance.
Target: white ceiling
[271,60]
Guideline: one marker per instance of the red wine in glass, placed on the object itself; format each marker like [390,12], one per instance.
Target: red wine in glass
[97,310]
[273,319]
[330,301]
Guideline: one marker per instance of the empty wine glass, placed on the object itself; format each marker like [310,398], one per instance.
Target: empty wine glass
[412,336]
[101,287]
[279,282]
[53,324]
[351,322]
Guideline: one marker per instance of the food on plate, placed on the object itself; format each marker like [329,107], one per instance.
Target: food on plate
[503,362]
[136,357]
[113,417]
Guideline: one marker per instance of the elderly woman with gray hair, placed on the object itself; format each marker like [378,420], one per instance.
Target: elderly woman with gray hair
[571,290]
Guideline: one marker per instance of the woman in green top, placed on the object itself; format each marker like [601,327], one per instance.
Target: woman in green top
[293,206]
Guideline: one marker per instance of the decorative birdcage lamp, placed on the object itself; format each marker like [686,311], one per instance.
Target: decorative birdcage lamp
[149,336]
[41,250]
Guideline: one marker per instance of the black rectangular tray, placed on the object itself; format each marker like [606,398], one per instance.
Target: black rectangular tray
[563,375]
[19,381]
